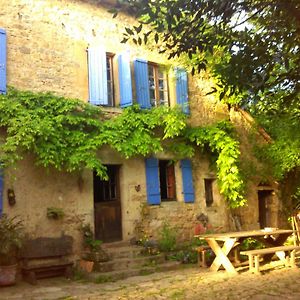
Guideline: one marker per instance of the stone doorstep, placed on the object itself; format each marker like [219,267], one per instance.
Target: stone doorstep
[124,252]
[101,277]
[127,263]
[119,244]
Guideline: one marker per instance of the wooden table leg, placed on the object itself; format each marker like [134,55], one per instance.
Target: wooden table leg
[221,255]
[292,259]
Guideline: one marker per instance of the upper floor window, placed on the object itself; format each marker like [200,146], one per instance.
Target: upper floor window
[110,79]
[150,83]
[158,89]
[101,77]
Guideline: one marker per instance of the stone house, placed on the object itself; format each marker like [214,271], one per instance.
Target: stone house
[73,48]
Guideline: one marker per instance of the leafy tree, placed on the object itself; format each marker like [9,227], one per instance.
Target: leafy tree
[250,46]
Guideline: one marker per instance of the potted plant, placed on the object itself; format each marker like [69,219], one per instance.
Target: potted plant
[11,237]
[93,251]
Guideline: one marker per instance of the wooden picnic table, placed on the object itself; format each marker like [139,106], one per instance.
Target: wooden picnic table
[222,243]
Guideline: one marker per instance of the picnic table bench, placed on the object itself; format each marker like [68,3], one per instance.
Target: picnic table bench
[46,257]
[280,251]
[223,243]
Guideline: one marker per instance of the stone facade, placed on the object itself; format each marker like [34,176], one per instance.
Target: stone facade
[47,43]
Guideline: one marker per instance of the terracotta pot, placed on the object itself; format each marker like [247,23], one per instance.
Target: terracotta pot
[86,265]
[8,275]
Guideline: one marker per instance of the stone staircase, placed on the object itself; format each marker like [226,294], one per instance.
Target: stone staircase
[126,260]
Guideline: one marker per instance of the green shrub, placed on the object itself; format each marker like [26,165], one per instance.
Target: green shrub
[167,241]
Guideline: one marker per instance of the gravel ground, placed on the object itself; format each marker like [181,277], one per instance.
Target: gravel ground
[189,283]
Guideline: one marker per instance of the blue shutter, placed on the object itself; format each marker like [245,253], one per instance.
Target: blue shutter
[142,83]
[125,79]
[2,61]
[187,181]
[152,181]
[1,191]
[182,89]
[97,76]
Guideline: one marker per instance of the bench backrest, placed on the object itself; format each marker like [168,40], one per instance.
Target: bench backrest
[43,247]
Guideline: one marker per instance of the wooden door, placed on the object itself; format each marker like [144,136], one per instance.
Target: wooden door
[107,204]
[264,200]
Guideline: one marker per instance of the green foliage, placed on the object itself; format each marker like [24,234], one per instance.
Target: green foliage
[167,240]
[283,153]
[88,238]
[218,139]
[137,131]
[11,238]
[61,133]
[67,133]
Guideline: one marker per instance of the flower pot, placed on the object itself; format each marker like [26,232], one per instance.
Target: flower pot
[86,265]
[8,275]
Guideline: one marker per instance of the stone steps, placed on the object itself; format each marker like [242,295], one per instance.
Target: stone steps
[129,263]
[125,261]
[101,277]
[123,252]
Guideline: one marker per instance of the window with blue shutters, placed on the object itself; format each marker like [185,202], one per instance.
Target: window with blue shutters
[160,178]
[101,83]
[151,84]
[182,89]
[187,181]
[2,61]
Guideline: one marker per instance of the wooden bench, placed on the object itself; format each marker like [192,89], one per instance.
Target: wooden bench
[46,257]
[280,251]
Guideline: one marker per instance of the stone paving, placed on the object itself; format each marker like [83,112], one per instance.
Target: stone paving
[189,283]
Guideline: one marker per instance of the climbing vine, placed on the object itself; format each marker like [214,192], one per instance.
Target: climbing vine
[67,134]
[221,142]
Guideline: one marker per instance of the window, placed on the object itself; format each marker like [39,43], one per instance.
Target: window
[167,180]
[150,83]
[209,192]
[110,79]
[160,180]
[106,190]
[101,79]
[157,85]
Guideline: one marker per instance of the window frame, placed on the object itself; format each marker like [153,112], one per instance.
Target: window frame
[107,190]
[157,69]
[111,81]
[209,194]
[167,165]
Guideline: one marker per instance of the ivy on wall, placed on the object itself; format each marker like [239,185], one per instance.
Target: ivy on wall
[67,134]
[221,142]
